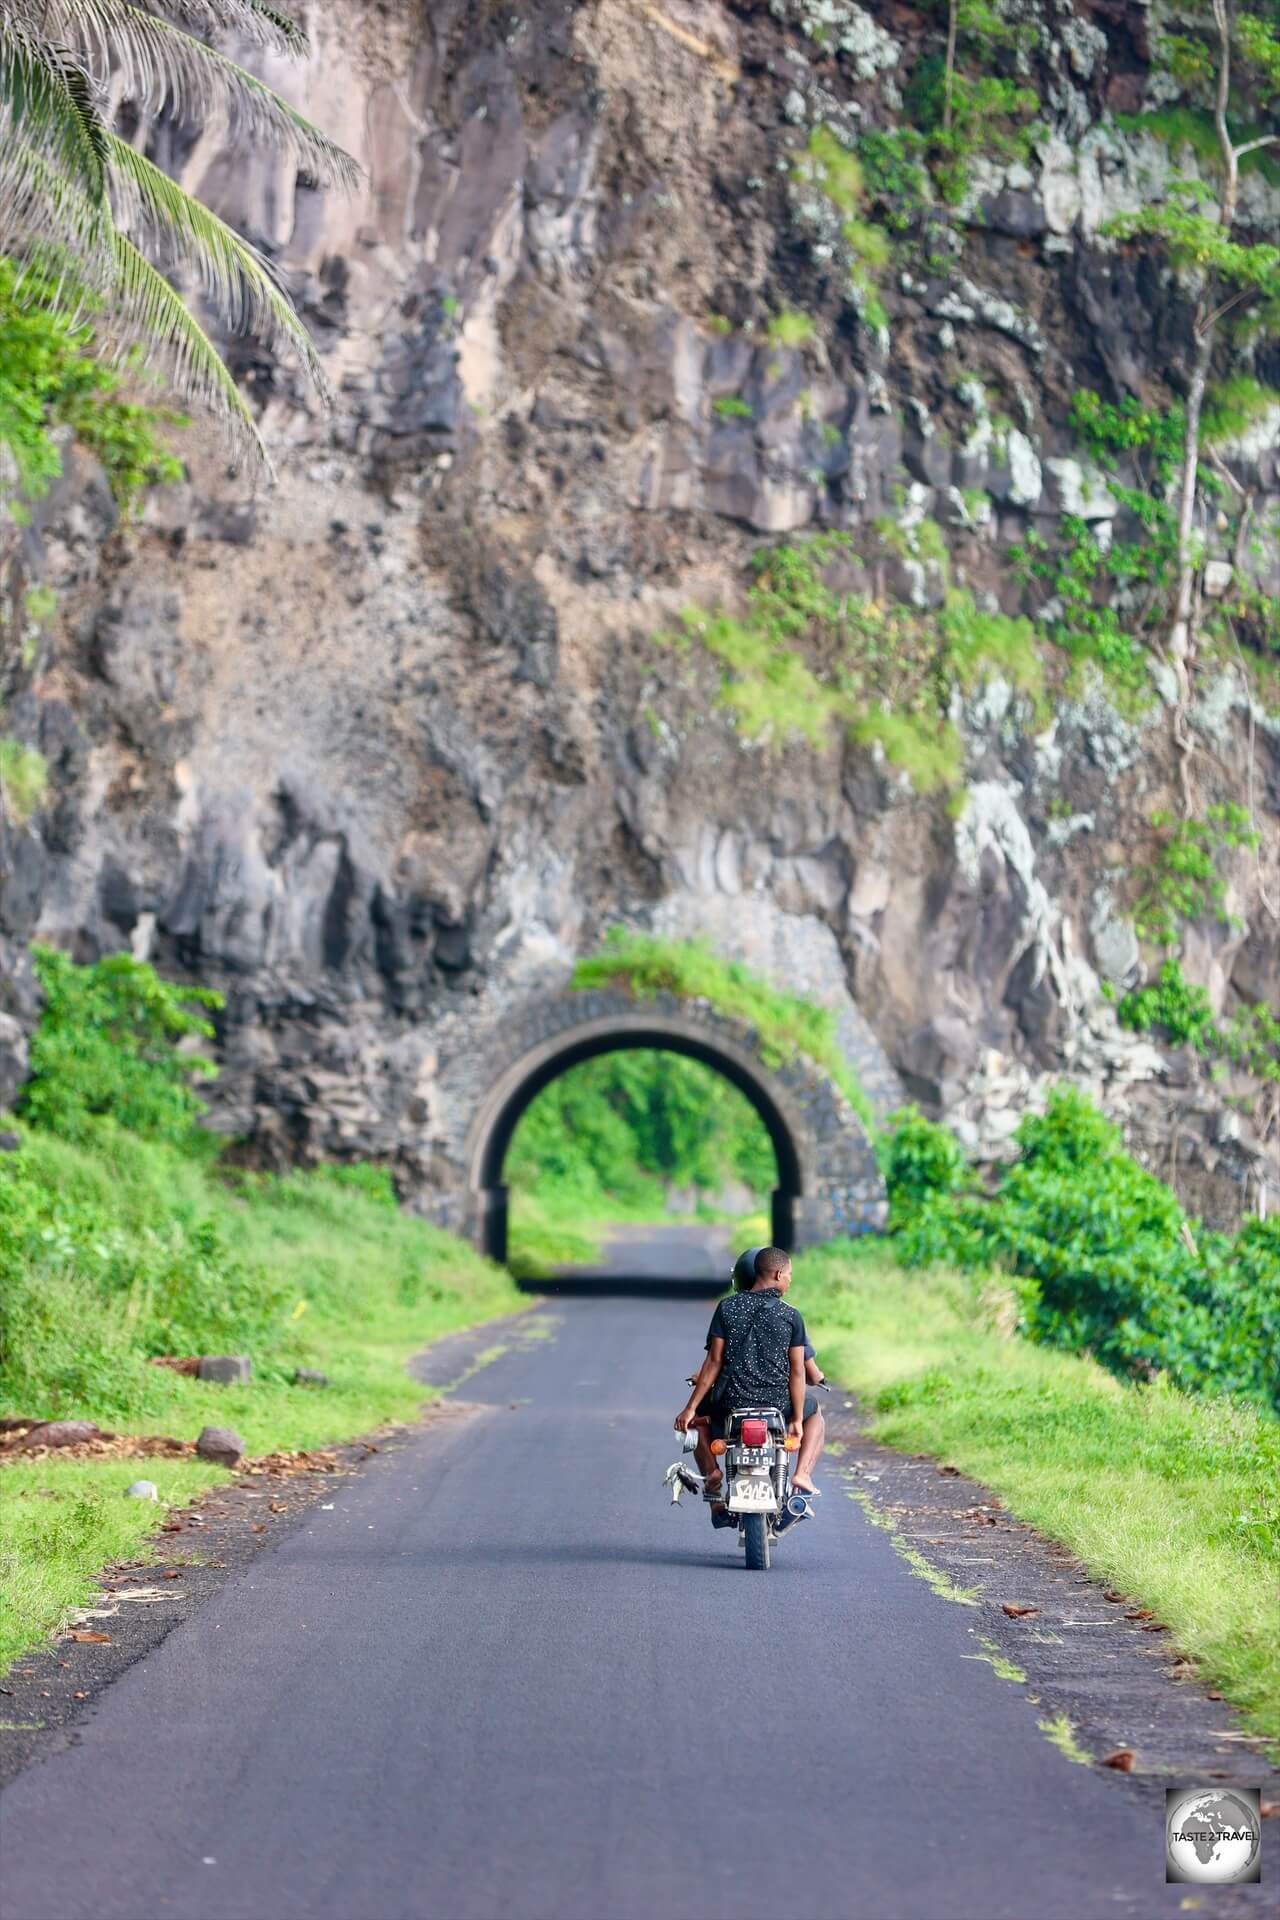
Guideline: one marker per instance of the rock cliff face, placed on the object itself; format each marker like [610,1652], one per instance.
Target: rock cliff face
[386,748]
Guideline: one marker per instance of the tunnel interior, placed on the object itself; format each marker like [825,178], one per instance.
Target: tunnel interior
[496,1211]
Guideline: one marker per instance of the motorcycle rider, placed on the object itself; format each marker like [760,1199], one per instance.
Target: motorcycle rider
[756,1355]
[815,1426]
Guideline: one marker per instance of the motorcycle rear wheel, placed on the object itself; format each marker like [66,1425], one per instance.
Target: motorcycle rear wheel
[755,1533]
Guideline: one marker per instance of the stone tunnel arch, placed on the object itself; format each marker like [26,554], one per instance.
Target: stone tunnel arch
[829,1182]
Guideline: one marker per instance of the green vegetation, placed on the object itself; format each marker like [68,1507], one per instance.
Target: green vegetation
[1101,1257]
[837,174]
[1182,881]
[1179,1011]
[605,1141]
[790,328]
[964,108]
[1181,125]
[732,406]
[1172,1498]
[121,1240]
[24,778]
[106,1053]
[1226,63]
[804,660]
[60,1524]
[1060,1733]
[51,377]
[786,1024]
[896,182]
[66,175]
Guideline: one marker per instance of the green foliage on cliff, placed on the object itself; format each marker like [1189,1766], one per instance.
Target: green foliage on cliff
[805,659]
[51,378]
[1102,1256]
[786,1024]
[1179,1011]
[1183,880]
[110,1052]
[24,779]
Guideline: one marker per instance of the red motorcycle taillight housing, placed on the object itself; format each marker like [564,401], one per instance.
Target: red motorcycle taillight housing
[754,1433]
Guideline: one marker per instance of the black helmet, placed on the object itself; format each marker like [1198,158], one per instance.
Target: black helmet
[744,1270]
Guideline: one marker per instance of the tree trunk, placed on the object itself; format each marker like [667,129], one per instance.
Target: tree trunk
[1180,631]
[953,12]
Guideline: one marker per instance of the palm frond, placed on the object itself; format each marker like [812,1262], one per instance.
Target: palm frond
[47,221]
[252,20]
[232,273]
[48,105]
[153,311]
[265,25]
[163,66]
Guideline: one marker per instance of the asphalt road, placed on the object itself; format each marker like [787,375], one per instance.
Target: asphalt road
[503,1679]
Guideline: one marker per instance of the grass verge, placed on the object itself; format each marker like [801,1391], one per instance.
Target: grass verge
[353,1287]
[1174,1499]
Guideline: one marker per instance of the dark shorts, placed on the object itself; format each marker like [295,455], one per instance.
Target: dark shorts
[717,1414]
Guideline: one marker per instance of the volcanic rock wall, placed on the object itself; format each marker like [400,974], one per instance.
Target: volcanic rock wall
[384,748]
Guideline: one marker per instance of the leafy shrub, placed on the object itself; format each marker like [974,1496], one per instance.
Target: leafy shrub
[804,659]
[24,777]
[1102,1256]
[108,1048]
[50,377]
[1180,1011]
[921,1158]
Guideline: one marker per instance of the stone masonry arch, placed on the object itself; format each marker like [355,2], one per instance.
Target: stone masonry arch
[829,1183]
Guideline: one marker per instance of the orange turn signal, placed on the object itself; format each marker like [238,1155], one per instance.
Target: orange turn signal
[718,1446]
[792,1443]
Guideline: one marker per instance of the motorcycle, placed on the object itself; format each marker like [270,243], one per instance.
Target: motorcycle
[755,1460]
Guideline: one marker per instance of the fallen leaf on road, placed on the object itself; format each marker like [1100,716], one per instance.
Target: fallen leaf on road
[1217,1696]
[257,1526]
[1016,1613]
[1122,1760]
[97,1639]
[79,1694]
[174,1573]
[1154,1626]
[171,1526]
[1140,1613]
[953,1471]
[1115,1596]
[279,1506]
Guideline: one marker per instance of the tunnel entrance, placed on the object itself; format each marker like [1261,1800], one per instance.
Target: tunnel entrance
[828,1182]
[630,1157]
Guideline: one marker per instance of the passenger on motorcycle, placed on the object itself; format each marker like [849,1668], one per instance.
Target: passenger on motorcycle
[755,1354]
[815,1430]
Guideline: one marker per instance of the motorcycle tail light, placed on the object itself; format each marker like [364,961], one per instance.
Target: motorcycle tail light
[717,1446]
[754,1433]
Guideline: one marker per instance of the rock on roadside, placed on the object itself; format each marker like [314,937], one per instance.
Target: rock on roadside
[61,1433]
[222,1445]
[142,1490]
[226,1369]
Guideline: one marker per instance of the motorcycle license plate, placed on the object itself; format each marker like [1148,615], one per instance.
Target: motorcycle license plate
[749,1495]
